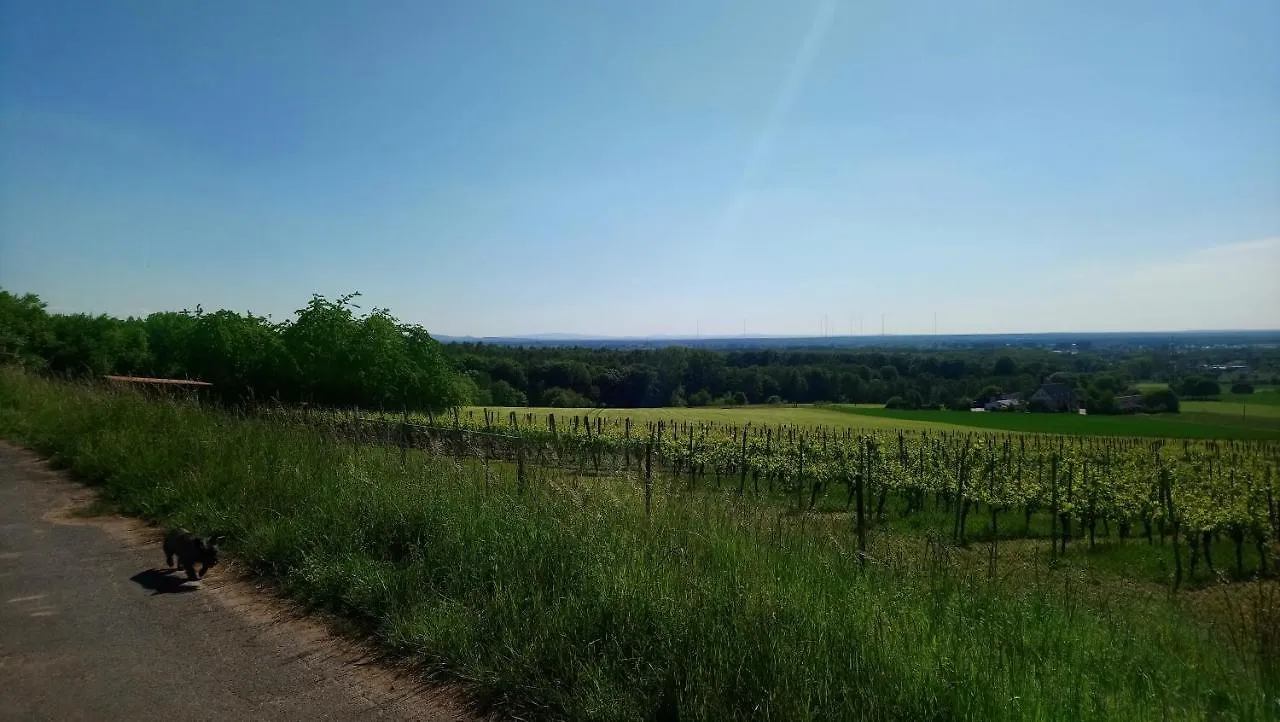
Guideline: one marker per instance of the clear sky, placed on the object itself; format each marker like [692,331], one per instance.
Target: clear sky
[665,166]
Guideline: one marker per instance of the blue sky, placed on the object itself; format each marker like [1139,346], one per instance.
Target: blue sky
[659,167]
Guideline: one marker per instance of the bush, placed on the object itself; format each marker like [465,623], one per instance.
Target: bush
[565,399]
[735,399]
[504,394]
[1160,401]
[895,402]
[1242,387]
[701,397]
[1197,387]
[774,400]
[677,398]
[989,393]
[1102,402]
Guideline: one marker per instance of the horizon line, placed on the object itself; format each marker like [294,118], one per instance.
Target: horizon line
[784,336]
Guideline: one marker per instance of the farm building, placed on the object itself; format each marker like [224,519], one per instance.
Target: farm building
[1004,402]
[1055,397]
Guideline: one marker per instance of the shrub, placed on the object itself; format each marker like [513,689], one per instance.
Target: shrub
[1101,402]
[565,399]
[504,394]
[1160,401]
[1198,386]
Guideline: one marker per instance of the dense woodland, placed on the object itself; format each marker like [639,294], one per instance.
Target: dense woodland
[333,353]
[679,376]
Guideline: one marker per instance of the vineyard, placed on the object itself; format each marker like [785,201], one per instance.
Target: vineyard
[596,569]
[1189,492]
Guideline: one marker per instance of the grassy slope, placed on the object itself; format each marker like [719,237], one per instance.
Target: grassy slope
[566,600]
[1174,426]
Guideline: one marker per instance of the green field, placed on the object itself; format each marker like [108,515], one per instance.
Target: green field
[1191,425]
[566,599]
[740,415]
[1202,420]
[1248,409]
[1263,396]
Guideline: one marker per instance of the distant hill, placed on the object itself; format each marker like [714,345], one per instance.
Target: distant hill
[1063,341]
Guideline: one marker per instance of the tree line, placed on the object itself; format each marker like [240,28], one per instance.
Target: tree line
[330,353]
[507,375]
[326,354]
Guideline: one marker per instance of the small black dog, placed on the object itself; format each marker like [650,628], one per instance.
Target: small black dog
[190,550]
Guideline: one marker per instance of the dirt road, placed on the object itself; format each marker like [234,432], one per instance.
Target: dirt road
[90,630]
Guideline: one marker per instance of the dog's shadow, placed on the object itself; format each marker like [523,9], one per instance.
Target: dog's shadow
[162,581]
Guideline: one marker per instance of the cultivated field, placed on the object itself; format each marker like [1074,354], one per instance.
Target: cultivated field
[1260,406]
[788,415]
[1200,420]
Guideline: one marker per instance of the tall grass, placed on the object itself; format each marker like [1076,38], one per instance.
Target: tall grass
[566,601]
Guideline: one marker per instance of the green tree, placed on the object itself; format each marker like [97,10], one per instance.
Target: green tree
[25,332]
[564,399]
[504,394]
[1160,400]
[1101,402]
[988,393]
[1005,366]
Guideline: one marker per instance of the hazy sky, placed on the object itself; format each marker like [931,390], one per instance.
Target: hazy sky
[600,166]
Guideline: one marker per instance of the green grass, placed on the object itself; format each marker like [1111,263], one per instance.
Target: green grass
[1200,419]
[567,601]
[1190,425]
[1262,396]
[756,415]
[1247,409]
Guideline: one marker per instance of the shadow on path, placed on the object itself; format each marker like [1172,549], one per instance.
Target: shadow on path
[162,581]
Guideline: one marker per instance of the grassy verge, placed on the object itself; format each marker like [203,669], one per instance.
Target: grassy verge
[567,601]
